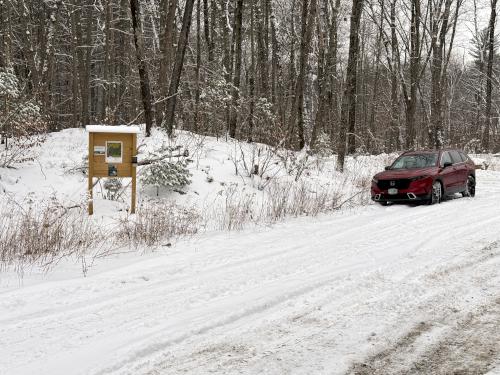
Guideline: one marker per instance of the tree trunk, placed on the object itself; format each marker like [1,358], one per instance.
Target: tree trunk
[274,58]
[141,65]
[489,74]
[262,51]
[375,89]
[394,133]
[178,64]
[5,38]
[321,26]
[332,74]
[226,50]
[348,115]
[237,68]
[251,82]
[297,115]
[83,53]
[108,45]
[198,66]
[439,28]
[411,100]
[167,37]
[206,28]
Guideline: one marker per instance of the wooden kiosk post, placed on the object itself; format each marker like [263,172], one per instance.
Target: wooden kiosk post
[112,153]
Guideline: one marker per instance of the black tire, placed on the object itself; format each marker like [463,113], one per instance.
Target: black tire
[437,193]
[470,187]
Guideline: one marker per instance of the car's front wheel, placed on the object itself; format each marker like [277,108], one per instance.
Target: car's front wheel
[470,187]
[437,193]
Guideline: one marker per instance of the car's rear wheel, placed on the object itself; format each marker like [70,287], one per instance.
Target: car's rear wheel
[437,193]
[470,187]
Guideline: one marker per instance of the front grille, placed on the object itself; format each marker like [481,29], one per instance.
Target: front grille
[400,196]
[401,183]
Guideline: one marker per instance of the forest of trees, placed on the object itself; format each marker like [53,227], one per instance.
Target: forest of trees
[346,75]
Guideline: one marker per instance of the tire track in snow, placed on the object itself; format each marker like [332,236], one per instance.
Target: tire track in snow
[178,282]
[149,297]
[265,256]
[108,370]
[316,331]
[188,303]
[460,342]
[470,346]
[485,254]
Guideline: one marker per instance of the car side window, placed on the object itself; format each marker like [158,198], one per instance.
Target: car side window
[463,156]
[445,158]
[455,156]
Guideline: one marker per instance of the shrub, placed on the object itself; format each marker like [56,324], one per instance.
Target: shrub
[166,174]
[113,186]
[232,209]
[21,123]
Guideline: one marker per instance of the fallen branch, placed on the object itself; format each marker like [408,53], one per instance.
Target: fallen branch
[152,161]
[348,200]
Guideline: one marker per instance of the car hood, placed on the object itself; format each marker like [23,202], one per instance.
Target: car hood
[406,173]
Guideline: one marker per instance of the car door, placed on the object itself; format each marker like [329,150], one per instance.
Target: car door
[447,174]
[468,163]
[460,171]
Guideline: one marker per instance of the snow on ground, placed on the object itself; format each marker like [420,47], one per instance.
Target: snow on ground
[371,290]
[55,172]
[487,161]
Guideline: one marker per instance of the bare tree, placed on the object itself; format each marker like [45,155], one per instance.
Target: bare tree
[489,74]
[238,19]
[348,116]
[439,13]
[141,65]
[297,115]
[178,64]
[261,70]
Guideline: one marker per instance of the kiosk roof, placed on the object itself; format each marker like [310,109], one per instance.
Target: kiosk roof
[113,129]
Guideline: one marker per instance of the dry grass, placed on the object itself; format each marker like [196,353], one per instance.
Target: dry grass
[43,235]
[156,223]
[235,209]
[298,198]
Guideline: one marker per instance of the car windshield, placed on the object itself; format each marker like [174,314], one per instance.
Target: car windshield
[415,161]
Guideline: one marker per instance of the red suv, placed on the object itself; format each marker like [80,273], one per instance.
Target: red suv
[425,176]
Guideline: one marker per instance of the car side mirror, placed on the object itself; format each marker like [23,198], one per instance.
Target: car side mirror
[447,164]
[387,168]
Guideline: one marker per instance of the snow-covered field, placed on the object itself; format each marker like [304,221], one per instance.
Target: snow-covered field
[369,290]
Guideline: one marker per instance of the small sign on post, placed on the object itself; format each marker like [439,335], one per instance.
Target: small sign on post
[112,153]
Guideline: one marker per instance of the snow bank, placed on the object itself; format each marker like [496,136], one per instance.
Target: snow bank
[220,170]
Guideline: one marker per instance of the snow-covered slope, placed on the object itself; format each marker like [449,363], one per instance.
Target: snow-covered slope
[219,168]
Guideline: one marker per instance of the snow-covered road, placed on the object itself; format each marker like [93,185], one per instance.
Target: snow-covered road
[370,290]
